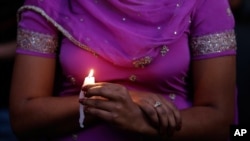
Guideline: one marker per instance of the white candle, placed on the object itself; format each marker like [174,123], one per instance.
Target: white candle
[90,79]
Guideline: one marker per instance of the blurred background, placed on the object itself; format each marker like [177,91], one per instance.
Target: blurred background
[240,8]
[8,26]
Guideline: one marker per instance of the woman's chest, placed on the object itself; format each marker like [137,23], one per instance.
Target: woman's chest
[169,67]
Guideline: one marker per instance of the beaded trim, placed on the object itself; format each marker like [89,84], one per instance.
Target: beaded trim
[58,26]
[36,42]
[142,62]
[213,43]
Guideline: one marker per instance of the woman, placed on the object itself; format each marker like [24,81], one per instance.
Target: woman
[164,71]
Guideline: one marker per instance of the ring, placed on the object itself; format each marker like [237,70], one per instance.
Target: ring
[157,104]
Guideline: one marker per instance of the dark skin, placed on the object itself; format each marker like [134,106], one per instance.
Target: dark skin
[213,104]
[117,105]
[36,102]
[36,112]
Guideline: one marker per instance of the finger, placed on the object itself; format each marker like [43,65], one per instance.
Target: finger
[149,112]
[88,86]
[98,90]
[98,104]
[163,117]
[177,115]
[110,91]
[172,124]
[167,118]
[178,119]
[102,114]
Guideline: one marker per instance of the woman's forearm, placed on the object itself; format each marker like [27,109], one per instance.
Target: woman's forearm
[203,123]
[47,116]
[198,123]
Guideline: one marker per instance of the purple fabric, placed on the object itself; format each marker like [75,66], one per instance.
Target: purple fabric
[136,29]
[21,51]
[150,40]
[121,37]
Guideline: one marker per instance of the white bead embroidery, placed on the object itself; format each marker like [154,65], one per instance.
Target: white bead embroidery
[213,43]
[172,96]
[36,42]
[132,78]
[164,50]
[142,62]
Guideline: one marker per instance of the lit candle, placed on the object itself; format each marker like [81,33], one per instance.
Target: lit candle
[88,80]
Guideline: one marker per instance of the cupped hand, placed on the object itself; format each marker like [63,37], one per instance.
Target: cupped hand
[112,103]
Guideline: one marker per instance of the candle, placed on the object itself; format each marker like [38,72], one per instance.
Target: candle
[88,80]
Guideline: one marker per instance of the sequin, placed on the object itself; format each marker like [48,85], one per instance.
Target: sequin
[213,43]
[172,96]
[164,50]
[72,79]
[132,78]
[36,42]
[142,62]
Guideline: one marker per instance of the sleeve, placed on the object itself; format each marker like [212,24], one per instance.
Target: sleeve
[36,36]
[212,30]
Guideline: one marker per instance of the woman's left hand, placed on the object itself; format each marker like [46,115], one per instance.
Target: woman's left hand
[162,113]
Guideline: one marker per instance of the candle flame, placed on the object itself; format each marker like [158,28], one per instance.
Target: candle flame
[91,72]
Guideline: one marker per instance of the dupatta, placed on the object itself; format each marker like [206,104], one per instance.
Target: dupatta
[125,32]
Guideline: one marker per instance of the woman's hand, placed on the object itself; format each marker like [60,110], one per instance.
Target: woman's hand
[162,113]
[112,103]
